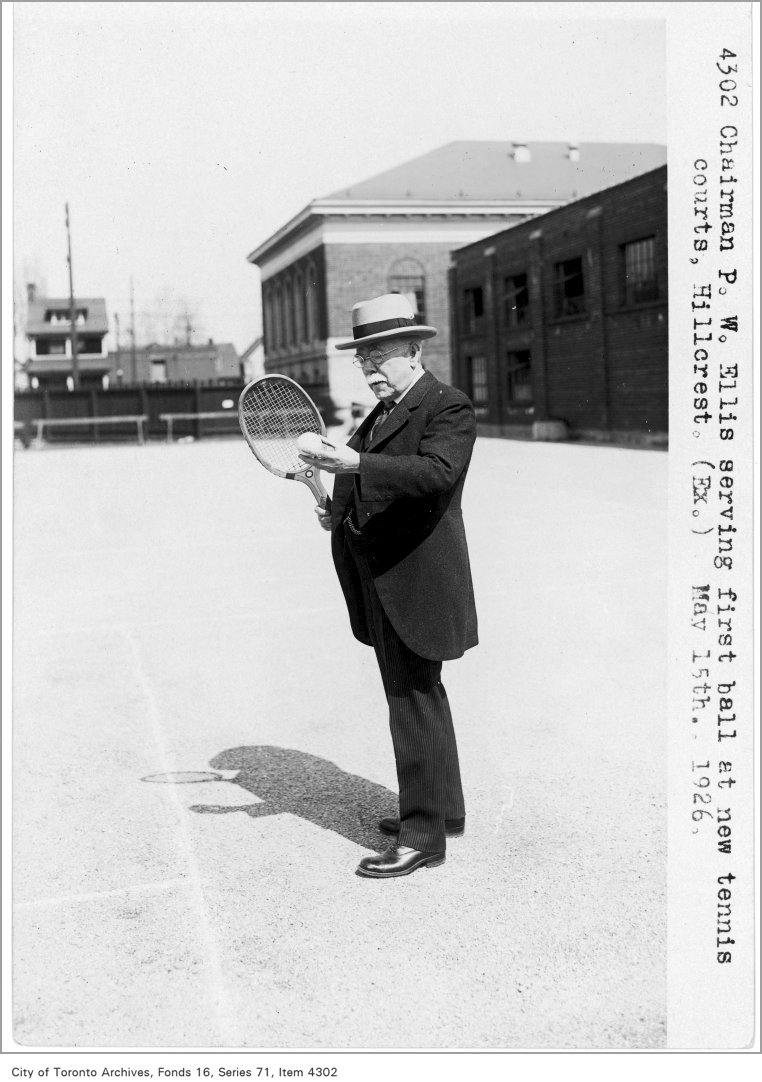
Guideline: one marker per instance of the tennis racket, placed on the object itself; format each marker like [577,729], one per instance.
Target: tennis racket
[273,411]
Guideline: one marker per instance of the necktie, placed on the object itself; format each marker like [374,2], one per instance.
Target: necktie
[379,421]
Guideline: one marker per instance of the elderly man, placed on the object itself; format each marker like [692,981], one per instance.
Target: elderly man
[400,552]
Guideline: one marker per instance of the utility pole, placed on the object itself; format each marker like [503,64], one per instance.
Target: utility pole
[132,332]
[118,349]
[72,310]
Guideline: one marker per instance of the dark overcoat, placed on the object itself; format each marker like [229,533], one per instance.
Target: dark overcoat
[408,498]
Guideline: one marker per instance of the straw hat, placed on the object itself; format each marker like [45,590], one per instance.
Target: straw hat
[388,316]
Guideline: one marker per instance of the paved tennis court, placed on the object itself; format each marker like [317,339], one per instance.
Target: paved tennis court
[201,754]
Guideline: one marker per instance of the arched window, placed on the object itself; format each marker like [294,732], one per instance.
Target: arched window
[407,277]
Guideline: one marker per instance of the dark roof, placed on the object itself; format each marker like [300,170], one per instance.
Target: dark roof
[489,170]
[654,176]
[96,322]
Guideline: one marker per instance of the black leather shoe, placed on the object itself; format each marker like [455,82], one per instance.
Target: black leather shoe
[399,860]
[454,828]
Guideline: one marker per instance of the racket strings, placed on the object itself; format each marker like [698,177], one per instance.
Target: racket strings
[275,413]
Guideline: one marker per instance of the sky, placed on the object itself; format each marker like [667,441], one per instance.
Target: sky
[183,134]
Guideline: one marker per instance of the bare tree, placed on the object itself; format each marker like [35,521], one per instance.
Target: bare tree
[170,320]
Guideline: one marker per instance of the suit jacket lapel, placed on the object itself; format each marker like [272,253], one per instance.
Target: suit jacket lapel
[401,411]
[357,438]
[393,423]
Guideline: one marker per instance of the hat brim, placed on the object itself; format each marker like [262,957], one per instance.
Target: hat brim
[418,331]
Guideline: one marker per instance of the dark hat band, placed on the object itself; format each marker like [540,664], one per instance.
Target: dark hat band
[364,329]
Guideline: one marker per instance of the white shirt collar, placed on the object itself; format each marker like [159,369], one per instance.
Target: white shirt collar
[416,376]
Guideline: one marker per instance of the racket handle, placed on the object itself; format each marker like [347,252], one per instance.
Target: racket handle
[311,478]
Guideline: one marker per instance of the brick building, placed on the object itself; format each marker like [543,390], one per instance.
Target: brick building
[395,233]
[215,362]
[560,324]
[50,361]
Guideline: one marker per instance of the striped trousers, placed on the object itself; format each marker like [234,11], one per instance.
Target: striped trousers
[425,751]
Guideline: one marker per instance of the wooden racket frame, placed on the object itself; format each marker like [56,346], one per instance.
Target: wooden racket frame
[309,475]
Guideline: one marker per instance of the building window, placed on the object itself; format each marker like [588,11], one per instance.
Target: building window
[516,300]
[568,288]
[51,347]
[268,313]
[278,338]
[289,328]
[158,370]
[639,271]
[414,290]
[310,303]
[407,276]
[299,332]
[473,308]
[90,345]
[518,379]
[476,375]
[57,316]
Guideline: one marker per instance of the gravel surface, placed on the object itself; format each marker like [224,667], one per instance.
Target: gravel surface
[202,753]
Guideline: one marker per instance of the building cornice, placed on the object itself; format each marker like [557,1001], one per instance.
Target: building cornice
[322,209]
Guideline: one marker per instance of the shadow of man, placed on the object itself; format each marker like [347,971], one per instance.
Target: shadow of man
[286,780]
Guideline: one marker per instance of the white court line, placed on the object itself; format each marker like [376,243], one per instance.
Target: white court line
[227,1018]
[96,895]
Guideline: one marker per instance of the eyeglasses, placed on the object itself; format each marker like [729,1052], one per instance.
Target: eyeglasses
[375,358]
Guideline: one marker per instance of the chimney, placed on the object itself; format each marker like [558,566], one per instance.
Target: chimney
[31,292]
[521,153]
[573,152]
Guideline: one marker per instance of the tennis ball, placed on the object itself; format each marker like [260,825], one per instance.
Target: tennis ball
[310,443]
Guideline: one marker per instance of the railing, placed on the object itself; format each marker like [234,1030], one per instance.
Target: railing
[139,420]
[170,418]
[21,432]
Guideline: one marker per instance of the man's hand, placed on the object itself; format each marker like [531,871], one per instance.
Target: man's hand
[324,517]
[339,460]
